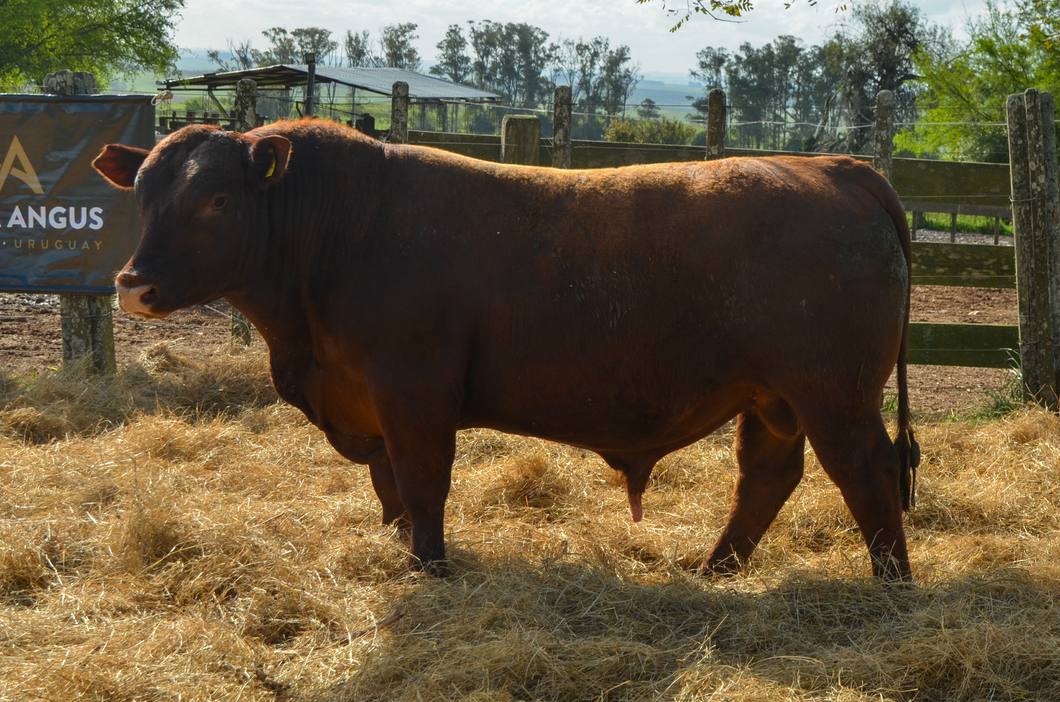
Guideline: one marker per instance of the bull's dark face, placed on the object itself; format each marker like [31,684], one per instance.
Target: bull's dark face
[201,194]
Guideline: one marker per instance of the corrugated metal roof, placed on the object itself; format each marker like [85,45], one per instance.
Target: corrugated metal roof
[374,80]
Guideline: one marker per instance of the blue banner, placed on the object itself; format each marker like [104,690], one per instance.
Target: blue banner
[63,227]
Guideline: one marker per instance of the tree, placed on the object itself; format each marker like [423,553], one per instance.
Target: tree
[453,61]
[601,78]
[512,59]
[283,47]
[618,79]
[106,37]
[711,67]
[647,109]
[357,49]
[288,47]
[396,48]
[886,36]
[316,41]
[578,65]
[964,85]
[244,56]
[777,92]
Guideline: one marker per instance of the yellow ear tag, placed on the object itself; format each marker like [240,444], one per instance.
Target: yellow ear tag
[272,166]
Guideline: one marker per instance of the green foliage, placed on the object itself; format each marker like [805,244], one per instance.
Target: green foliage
[396,47]
[889,404]
[965,223]
[729,8]
[357,49]
[291,47]
[1002,401]
[197,104]
[784,95]
[106,37]
[511,59]
[648,109]
[966,84]
[453,61]
[1042,20]
[649,131]
[601,78]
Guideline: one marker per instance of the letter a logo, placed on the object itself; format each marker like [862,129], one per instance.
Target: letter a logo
[24,172]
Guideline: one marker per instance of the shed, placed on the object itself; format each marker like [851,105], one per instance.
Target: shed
[424,91]
[379,81]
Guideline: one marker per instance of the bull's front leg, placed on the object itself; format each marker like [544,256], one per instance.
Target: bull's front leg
[422,474]
[419,423]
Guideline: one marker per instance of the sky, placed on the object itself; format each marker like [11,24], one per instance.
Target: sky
[209,24]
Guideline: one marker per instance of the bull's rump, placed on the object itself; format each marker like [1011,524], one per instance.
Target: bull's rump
[665,294]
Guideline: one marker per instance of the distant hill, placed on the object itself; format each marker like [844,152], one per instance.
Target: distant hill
[670,99]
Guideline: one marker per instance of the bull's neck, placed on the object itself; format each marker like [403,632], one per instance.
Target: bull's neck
[311,219]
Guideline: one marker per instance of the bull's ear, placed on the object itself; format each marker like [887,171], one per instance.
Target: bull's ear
[119,164]
[268,157]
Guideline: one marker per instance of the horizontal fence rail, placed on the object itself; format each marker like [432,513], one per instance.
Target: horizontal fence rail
[964,265]
[971,345]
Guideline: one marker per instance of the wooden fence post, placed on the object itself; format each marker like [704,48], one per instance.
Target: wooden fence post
[1027,169]
[1051,218]
[562,113]
[715,124]
[521,140]
[87,320]
[399,113]
[883,134]
[245,118]
[1039,194]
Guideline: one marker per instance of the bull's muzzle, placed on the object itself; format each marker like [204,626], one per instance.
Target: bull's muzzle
[136,296]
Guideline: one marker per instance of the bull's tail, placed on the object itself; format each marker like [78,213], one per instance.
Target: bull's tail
[905,443]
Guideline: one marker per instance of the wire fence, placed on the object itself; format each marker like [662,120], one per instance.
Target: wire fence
[983,140]
[848,131]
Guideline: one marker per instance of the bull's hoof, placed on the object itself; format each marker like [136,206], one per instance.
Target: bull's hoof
[719,567]
[439,567]
[893,572]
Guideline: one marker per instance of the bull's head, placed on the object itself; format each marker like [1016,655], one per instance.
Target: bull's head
[201,194]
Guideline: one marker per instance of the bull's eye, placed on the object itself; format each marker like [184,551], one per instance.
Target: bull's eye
[220,202]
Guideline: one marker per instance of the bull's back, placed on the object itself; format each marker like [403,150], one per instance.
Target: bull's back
[640,292]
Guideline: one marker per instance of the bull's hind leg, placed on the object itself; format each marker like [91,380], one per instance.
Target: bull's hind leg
[769,450]
[861,460]
[387,491]
[372,450]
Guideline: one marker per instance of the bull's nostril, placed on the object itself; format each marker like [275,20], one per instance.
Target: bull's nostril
[136,299]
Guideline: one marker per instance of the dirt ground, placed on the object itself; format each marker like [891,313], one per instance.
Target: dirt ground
[30,338]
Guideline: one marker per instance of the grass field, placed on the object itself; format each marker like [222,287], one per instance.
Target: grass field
[176,534]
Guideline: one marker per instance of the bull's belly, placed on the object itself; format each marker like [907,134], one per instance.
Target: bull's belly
[622,422]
